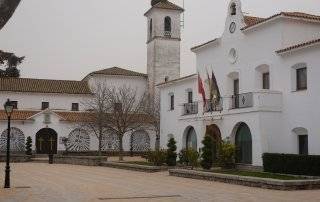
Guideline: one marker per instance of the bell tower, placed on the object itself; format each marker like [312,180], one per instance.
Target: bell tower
[163,42]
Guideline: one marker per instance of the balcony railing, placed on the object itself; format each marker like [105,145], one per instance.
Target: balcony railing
[167,33]
[190,108]
[213,106]
[242,101]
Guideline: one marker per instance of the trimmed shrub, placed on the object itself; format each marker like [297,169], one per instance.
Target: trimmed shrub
[171,153]
[227,155]
[193,158]
[292,164]
[207,153]
[158,158]
[29,146]
[183,159]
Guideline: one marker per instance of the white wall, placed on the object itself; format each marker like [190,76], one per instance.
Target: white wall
[32,101]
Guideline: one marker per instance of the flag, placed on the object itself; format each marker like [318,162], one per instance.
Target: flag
[215,89]
[201,89]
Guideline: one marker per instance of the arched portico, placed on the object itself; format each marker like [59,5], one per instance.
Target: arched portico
[46,141]
[213,131]
[243,140]
[190,138]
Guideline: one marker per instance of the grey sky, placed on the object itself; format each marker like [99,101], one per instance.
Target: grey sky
[67,39]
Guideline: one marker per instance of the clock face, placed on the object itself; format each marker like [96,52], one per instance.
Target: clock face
[232,27]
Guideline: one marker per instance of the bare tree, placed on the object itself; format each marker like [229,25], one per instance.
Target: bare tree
[126,112]
[153,110]
[94,121]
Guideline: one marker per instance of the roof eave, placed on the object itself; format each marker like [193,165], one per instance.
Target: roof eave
[204,45]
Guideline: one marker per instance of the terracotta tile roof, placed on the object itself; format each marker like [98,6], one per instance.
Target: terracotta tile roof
[308,43]
[165,4]
[75,116]
[298,15]
[18,115]
[44,86]
[118,71]
[251,20]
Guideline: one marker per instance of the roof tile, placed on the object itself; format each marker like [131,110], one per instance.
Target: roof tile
[44,86]
[119,71]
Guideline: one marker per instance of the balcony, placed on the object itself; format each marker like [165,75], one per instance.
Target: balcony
[167,34]
[213,106]
[265,100]
[244,100]
[190,108]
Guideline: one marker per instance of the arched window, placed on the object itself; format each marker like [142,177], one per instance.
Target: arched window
[17,140]
[150,28]
[233,9]
[140,141]
[78,140]
[167,26]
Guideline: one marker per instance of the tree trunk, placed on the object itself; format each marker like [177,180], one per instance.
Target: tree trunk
[157,146]
[120,148]
[99,147]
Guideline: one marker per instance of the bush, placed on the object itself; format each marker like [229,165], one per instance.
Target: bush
[227,155]
[292,164]
[193,158]
[171,153]
[29,146]
[207,153]
[158,158]
[183,159]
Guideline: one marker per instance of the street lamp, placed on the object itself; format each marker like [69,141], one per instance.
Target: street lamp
[8,107]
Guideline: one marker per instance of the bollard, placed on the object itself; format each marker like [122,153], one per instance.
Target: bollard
[50,158]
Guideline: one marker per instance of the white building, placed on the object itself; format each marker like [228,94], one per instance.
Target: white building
[48,110]
[267,73]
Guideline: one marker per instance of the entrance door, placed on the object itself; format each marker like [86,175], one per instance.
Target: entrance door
[244,144]
[46,141]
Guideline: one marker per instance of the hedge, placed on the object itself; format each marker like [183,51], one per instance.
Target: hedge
[292,164]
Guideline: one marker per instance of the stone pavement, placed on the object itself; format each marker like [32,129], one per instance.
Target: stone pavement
[45,183]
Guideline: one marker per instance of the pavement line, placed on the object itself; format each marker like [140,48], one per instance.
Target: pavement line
[141,197]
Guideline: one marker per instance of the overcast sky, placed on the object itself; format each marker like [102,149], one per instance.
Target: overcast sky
[67,39]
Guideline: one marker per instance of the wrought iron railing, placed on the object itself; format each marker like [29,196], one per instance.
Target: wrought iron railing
[213,105]
[242,101]
[190,108]
[167,33]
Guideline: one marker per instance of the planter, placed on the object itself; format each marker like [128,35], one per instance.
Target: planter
[134,167]
[79,160]
[301,184]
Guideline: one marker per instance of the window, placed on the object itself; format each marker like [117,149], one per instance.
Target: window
[167,26]
[150,28]
[44,105]
[302,78]
[15,104]
[303,144]
[190,97]
[171,102]
[233,9]
[166,79]
[266,80]
[75,107]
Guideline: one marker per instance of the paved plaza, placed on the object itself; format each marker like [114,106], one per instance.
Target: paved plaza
[43,182]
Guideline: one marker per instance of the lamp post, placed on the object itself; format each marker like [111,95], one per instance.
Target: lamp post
[8,106]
